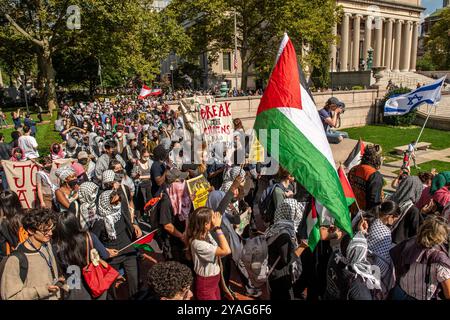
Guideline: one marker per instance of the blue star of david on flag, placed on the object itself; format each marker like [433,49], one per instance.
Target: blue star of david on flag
[415,97]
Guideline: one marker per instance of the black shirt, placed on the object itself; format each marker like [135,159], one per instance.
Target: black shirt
[342,284]
[157,170]
[166,216]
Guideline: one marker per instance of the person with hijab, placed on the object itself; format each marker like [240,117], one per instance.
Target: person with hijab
[439,181]
[116,230]
[350,274]
[406,195]
[86,211]
[56,152]
[17,154]
[284,249]
[71,148]
[68,188]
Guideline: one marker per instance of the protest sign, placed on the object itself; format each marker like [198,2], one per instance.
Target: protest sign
[256,151]
[21,177]
[209,118]
[200,187]
[245,221]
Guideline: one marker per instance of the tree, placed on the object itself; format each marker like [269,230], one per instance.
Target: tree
[126,36]
[438,42]
[260,26]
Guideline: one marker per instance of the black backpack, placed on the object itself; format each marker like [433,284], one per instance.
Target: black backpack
[23,263]
[266,204]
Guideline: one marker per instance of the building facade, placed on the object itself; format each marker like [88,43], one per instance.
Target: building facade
[388,27]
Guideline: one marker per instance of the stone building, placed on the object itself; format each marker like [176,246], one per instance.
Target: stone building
[389,27]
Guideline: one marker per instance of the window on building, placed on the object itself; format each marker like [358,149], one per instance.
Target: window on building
[227,61]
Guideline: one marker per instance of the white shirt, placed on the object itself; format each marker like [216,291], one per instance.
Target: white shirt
[29,146]
[206,263]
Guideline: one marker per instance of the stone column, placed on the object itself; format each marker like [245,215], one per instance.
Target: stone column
[415,33]
[398,44]
[333,51]
[406,52]
[356,39]
[367,36]
[344,42]
[388,47]
[378,42]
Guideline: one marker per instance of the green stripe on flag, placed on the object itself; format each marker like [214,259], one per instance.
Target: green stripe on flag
[145,247]
[307,164]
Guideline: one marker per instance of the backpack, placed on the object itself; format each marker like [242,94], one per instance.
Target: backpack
[23,263]
[266,204]
[255,258]
[22,235]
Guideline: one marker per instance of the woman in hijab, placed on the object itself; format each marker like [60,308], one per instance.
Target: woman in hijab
[407,194]
[349,273]
[439,181]
[17,154]
[284,249]
[56,152]
[115,230]
[68,188]
[87,209]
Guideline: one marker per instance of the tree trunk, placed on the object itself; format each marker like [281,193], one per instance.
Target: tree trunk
[46,65]
[245,67]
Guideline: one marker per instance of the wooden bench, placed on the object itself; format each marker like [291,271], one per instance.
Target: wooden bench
[419,146]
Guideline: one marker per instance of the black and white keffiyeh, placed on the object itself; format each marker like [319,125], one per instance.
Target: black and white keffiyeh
[88,209]
[232,173]
[63,173]
[287,218]
[108,176]
[379,242]
[108,213]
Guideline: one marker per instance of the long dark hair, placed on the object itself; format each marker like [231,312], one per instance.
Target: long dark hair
[11,210]
[70,240]
[196,228]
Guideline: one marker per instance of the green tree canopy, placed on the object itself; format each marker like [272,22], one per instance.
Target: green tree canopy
[438,42]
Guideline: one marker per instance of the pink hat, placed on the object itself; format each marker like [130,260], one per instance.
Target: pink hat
[79,169]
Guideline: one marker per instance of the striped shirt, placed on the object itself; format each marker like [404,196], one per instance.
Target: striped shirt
[413,282]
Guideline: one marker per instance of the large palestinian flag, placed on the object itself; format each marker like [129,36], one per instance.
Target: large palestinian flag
[303,147]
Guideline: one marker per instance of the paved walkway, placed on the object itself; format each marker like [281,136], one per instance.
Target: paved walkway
[387,170]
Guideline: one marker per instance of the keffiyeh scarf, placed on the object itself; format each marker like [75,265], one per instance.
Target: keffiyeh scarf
[88,209]
[108,213]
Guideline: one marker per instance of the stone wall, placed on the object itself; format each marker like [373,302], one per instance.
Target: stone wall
[360,106]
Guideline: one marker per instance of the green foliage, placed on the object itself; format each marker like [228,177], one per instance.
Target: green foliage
[438,42]
[425,63]
[405,120]
[357,88]
[260,26]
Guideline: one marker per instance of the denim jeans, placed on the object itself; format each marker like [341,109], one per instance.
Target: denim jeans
[333,136]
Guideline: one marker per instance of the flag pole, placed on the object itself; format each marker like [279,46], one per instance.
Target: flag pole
[428,116]
[127,246]
[235,50]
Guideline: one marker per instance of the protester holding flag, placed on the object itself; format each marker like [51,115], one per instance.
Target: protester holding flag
[365,179]
[284,249]
[116,230]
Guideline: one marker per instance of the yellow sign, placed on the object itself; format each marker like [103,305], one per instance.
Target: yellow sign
[256,151]
[200,187]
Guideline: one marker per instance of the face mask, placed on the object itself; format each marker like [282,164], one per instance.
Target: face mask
[119,177]
[73,183]
[145,159]
[119,134]
[18,156]
[234,200]
[48,168]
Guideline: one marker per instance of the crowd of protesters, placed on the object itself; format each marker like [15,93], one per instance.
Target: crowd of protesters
[124,161]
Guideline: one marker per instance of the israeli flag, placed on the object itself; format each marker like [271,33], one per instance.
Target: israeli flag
[404,103]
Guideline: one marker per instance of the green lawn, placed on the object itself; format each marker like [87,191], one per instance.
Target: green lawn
[45,136]
[390,137]
[427,166]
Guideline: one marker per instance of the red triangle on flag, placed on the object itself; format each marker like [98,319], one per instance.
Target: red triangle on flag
[283,89]
[348,191]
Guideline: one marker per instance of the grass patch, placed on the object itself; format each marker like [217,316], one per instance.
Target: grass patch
[427,166]
[45,135]
[390,137]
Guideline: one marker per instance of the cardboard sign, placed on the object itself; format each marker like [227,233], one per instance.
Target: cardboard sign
[21,177]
